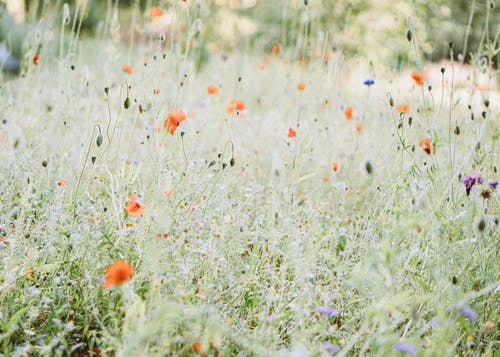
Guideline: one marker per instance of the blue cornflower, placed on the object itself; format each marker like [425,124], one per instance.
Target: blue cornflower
[369,82]
[468,313]
[327,311]
[405,348]
[493,184]
[331,348]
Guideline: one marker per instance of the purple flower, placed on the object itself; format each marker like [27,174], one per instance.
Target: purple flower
[331,348]
[327,310]
[470,181]
[468,313]
[493,184]
[406,348]
[369,82]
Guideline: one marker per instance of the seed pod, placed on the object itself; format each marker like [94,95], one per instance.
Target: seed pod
[457,130]
[408,35]
[93,159]
[126,104]
[232,162]
[443,70]
[483,114]
[369,167]
[212,163]
[106,90]
[454,280]
[486,103]
[99,140]
[224,165]
[45,163]
[391,102]
[481,225]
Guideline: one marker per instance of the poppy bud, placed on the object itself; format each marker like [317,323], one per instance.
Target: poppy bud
[454,280]
[93,159]
[410,120]
[224,165]
[106,90]
[45,163]
[232,162]
[408,35]
[483,114]
[306,2]
[450,45]
[443,70]
[126,104]
[457,130]
[369,167]
[481,225]
[391,102]
[212,163]
[486,103]
[99,140]
[492,5]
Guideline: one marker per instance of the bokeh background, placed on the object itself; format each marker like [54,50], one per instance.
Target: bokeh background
[372,29]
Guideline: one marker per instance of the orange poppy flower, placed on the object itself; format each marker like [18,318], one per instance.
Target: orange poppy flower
[327,179]
[36,59]
[174,118]
[134,206]
[418,78]
[403,108]
[197,347]
[275,49]
[236,106]
[118,273]
[426,145]
[336,165]
[348,113]
[358,127]
[168,192]
[156,91]
[301,86]
[419,229]
[291,133]
[62,182]
[127,68]
[212,89]
[156,12]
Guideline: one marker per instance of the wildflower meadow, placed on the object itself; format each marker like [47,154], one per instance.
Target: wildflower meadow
[249,178]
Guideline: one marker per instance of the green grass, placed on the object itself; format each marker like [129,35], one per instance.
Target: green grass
[255,247]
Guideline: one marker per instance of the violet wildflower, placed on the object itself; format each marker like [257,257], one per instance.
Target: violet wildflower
[468,313]
[327,311]
[331,348]
[493,185]
[369,82]
[470,181]
[405,348]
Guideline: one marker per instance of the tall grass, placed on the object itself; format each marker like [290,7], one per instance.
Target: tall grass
[248,234]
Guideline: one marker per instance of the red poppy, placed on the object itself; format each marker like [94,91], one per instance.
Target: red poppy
[118,273]
[127,68]
[36,59]
[212,89]
[236,106]
[275,49]
[426,145]
[291,133]
[62,182]
[418,78]
[156,12]
[358,127]
[174,118]
[403,108]
[134,206]
[348,113]
[301,86]
[336,165]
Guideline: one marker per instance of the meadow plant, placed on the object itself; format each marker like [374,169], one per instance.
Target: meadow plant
[282,199]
